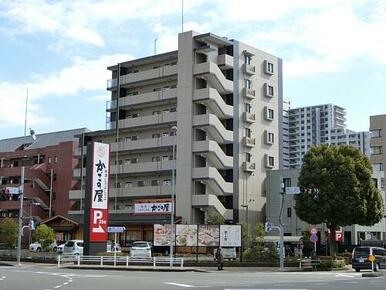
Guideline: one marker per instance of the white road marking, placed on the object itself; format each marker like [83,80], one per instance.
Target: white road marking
[2,278]
[58,286]
[265,289]
[180,285]
[345,275]
[65,283]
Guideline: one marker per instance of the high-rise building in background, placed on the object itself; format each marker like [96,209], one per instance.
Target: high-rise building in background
[225,99]
[284,136]
[317,125]
[378,143]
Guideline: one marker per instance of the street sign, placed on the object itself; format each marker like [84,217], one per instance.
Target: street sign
[116,229]
[292,190]
[371,258]
[313,231]
[314,238]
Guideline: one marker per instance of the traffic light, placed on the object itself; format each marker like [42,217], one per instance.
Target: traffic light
[267,227]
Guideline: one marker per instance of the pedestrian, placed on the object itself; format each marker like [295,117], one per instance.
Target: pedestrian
[219,259]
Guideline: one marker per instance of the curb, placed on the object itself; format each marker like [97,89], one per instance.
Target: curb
[137,269]
[372,274]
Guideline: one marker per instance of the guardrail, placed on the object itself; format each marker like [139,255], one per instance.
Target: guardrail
[309,263]
[122,261]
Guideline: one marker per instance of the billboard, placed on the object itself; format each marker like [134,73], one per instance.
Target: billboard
[153,206]
[99,213]
[186,235]
[230,235]
[208,235]
[162,235]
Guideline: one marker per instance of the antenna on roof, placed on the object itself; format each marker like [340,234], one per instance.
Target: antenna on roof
[182,15]
[25,115]
[155,45]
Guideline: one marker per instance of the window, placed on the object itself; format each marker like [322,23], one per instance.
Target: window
[248,84]
[269,137]
[56,159]
[134,160]
[156,135]
[133,138]
[268,67]
[289,212]
[174,109]
[375,133]
[165,134]
[141,183]
[155,182]
[378,166]
[376,150]
[156,112]
[128,184]
[248,132]
[248,157]
[155,159]
[269,114]
[248,107]
[287,182]
[167,182]
[49,160]
[271,161]
[247,59]
[165,158]
[269,90]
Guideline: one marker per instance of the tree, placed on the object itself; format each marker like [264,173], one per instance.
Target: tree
[9,232]
[337,189]
[215,219]
[253,244]
[45,235]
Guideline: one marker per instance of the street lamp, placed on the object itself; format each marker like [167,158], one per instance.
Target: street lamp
[21,197]
[174,129]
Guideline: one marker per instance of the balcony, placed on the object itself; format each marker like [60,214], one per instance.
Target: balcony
[249,93]
[249,118]
[112,84]
[34,172]
[212,124]
[142,167]
[213,179]
[111,105]
[225,61]
[148,75]
[214,76]
[142,144]
[148,98]
[211,201]
[144,191]
[249,69]
[249,167]
[249,142]
[147,121]
[212,99]
[213,152]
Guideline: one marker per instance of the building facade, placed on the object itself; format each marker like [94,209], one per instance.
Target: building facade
[378,143]
[317,125]
[223,96]
[294,226]
[284,149]
[49,163]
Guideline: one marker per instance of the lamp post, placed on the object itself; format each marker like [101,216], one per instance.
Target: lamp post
[174,129]
[32,203]
[21,199]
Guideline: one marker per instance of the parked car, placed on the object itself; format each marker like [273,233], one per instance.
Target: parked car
[360,258]
[73,247]
[111,247]
[141,249]
[37,247]
[60,248]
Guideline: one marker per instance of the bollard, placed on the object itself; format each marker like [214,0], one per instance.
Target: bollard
[101,261]
[154,264]
[127,261]
[78,260]
[59,261]
[182,263]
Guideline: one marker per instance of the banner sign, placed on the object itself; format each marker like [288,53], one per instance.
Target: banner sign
[230,235]
[208,236]
[153,206]
[99,213]
[186,235]
[162,235]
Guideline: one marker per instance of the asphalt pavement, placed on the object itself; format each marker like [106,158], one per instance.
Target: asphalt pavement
[48,277]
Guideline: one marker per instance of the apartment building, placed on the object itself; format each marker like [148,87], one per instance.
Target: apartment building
[284,149]
[317,125]
[378,143]
[49,162]
[294,226]
[223,96]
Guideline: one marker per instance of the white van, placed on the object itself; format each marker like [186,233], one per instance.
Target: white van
[73,247]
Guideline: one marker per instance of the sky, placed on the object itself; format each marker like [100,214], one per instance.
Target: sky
[333,51]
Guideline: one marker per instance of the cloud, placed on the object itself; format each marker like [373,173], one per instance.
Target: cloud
[84,75]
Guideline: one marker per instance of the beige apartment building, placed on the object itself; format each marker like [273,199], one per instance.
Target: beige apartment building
[225,99]
[378,143]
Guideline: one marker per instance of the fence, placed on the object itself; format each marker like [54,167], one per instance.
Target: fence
[122,261]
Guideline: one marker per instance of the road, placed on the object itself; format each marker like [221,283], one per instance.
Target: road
[47,277]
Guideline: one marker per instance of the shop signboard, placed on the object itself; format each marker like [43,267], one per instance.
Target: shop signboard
[152,206]
[186,235]
[208,235]
[230,235]
[162,235]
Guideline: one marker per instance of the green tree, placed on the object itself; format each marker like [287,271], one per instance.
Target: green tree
[337,189]
[253,244]
[45,235]
[9,231]
[215,219]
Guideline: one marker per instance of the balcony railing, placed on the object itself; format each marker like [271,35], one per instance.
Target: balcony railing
[249,69]
[112,83]
[249,93]
[249,142]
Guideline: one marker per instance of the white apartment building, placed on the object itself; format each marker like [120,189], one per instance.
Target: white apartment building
[284,149]
[317,125]
[225,99]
